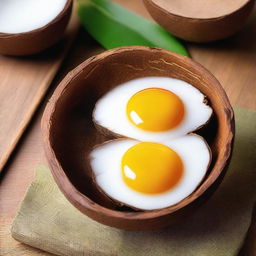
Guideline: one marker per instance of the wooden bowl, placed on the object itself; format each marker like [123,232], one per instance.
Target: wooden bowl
[69,133]
[36,40]
[200,20]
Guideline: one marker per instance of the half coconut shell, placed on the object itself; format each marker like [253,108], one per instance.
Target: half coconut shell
[37,40]
[69,133]
[197,29]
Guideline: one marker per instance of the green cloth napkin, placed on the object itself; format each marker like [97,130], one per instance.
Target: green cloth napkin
[46,220]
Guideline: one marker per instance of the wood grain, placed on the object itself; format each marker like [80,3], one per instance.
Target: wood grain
[23,83]
[232,61]
[45,208]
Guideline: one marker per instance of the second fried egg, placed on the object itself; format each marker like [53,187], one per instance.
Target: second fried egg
[150,175]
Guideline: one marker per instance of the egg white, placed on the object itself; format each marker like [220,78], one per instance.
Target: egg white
[21,16]
[105,161]
[110,110]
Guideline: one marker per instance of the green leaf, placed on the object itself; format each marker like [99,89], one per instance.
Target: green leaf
[114,26]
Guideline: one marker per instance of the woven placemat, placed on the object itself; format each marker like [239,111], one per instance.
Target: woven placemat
[46,219]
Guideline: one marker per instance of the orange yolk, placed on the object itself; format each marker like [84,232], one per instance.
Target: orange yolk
[151,168]
[155,110]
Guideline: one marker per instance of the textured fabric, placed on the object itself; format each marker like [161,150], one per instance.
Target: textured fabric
[48,221]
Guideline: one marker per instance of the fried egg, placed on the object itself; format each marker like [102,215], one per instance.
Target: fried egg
[152,109]
[150,175]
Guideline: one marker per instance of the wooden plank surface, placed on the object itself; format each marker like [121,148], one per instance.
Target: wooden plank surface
[23,83]
[233,61]
[210,223]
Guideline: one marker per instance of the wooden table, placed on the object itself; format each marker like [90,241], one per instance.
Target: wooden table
[232,61]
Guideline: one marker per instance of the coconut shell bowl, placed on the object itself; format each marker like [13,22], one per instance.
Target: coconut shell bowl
[69,133]
[37,40]
[198,21]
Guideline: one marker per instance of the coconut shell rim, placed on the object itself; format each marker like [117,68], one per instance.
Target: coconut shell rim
[194,19]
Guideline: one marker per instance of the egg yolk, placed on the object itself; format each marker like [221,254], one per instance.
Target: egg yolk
[155,109]
[151,168]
